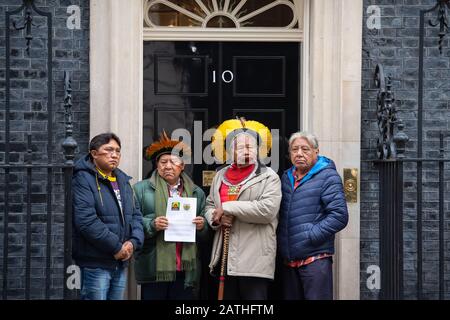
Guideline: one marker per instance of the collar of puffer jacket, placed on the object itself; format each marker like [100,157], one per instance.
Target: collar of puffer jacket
[322,163]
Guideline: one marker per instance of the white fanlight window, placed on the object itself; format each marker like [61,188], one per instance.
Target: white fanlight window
[233,20]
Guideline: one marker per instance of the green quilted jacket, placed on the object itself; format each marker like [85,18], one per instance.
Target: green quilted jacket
[145,260]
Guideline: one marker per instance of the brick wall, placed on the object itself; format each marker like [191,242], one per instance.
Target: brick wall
[396,46]
[29,115]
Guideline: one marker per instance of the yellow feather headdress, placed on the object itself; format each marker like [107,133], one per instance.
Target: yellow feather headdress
[164,146]
[231,128]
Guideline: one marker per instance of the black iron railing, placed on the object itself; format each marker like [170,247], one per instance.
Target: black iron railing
[395,168]
[28,167]
[391,164]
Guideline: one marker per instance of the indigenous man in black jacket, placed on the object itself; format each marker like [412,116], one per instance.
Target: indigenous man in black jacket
[107,222]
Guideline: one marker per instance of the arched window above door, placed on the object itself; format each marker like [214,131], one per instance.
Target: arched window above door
[221,13]
[224,20]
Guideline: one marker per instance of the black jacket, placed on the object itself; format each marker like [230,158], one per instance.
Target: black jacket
[99,226]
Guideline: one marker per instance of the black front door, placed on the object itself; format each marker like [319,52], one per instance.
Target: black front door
[196,85]
[209,82]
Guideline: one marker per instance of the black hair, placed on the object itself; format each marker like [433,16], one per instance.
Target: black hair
[102,139]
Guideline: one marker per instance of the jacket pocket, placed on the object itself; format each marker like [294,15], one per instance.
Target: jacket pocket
[130,230]
[308,232]
[313,240]
[264,241]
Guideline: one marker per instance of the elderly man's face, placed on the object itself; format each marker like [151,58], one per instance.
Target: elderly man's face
[303,155]
[245,150]
[169,167]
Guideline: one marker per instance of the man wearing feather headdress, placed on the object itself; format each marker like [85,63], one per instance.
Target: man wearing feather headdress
[243,208]
[167,270]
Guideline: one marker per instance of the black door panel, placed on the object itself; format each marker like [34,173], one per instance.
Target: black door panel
[259,76]
[192,71]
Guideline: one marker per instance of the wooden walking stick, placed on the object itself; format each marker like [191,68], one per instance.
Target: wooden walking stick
[226,239]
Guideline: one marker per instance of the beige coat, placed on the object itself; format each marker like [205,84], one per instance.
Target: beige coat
[253,244]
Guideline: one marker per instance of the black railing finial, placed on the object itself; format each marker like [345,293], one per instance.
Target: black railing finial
[442,21]
[26,23]
[390,145]
[69,145]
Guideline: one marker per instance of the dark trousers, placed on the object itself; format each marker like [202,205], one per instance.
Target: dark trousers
[167,290]
[311,282]
[245,288]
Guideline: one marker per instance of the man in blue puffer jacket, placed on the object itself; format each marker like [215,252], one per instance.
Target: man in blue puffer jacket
[107,222]
[313,209]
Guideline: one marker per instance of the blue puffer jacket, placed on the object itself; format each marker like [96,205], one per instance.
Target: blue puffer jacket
[99,226]
[312,213]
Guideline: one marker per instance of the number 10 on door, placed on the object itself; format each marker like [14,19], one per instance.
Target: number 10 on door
[227,76]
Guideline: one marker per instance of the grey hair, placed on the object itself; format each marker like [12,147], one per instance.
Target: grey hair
[310,137]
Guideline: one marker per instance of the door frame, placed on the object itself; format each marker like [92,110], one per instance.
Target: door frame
[330,95]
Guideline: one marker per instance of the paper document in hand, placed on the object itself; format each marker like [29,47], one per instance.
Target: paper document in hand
[180,213]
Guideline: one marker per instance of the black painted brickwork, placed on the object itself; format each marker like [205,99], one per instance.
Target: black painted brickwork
[29,115]
[396,46]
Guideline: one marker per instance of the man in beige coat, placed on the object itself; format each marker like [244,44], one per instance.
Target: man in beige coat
[244,197]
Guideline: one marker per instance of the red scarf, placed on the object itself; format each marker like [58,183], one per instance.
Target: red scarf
[236,175]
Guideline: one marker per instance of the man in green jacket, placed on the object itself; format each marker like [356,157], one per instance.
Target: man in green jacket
[167,270]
